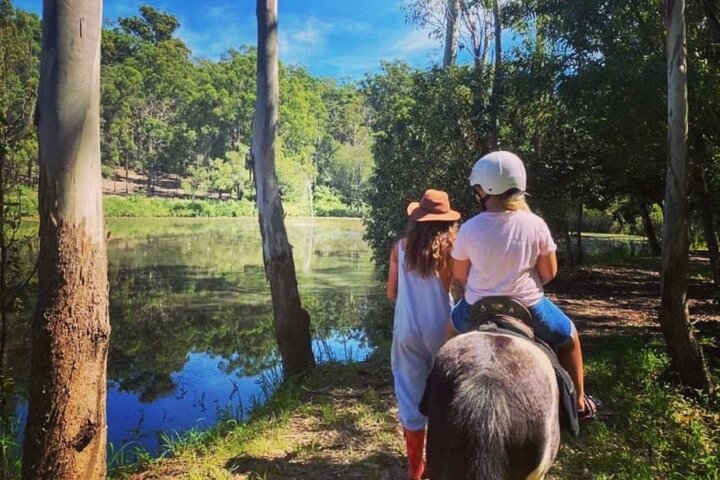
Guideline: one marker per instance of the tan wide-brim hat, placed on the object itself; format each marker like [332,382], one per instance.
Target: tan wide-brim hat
[433,207]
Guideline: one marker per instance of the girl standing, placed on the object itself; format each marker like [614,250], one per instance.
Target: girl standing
[419,283]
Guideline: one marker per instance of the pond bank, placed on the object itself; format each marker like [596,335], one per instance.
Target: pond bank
[340,421]
[168,205]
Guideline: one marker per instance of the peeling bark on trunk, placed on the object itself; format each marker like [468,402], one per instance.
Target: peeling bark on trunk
[471,22]
[685,352]
[292,322]
[65,436]
[495,95]
[650,232]
[452,29]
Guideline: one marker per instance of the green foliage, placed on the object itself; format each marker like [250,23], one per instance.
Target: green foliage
[19,67]
[152,26]
[598,221]
[221,176]
[328,203]
[649,429]
[165,112]
[583,103]
[107,171]
[10,447]
[19,75]
[139,206]
[351,166]
[26,202]
[426,136]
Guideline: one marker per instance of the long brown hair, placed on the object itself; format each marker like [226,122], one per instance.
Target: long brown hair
[428,246]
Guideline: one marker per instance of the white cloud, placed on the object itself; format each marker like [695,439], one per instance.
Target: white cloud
[220,11]
[302,37]
[213,42]
[351,26]
[309,35]
[413,42]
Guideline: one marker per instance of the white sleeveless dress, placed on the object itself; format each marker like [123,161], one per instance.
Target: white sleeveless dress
[422,313]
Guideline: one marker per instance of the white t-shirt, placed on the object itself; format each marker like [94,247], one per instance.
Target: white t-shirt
[503,248]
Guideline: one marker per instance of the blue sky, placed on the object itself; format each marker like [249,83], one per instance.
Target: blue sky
[333,38]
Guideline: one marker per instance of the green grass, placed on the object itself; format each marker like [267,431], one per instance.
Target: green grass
[648,429]
[141,206]
[272,430]
[10,449]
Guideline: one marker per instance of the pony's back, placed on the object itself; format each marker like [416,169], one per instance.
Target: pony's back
[492,405]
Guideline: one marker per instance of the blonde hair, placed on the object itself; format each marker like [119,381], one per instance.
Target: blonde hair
[514,199]
[428,246]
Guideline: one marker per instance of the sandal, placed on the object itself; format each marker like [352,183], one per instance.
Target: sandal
[590,410]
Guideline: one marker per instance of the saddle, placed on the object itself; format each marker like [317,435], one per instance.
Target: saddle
[508,316]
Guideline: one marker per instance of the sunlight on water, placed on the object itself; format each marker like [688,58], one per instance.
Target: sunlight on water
[192,337]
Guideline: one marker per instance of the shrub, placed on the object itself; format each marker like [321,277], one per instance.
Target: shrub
[140,206]
[599,221]
[28,202]
[328,203]
[107,171]
[427,135]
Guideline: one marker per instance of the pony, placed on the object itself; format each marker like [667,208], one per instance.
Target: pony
[492,407]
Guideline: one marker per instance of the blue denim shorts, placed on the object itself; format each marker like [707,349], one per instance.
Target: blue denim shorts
[549,322]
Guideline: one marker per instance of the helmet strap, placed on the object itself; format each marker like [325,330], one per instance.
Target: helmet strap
[480,199]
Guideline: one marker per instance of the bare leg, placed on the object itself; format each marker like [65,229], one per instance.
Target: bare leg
[570,356]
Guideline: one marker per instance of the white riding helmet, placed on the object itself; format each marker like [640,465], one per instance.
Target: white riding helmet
[498,172]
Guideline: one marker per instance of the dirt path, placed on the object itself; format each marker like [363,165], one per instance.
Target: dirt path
[346,427]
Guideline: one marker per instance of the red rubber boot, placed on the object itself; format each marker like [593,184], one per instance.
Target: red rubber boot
[415,443]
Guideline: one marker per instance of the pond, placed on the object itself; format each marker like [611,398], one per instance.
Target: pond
[192,339]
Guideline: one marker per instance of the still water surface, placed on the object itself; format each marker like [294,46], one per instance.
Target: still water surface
[191,316]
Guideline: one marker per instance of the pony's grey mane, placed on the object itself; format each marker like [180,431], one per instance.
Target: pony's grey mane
[481,404]
[492,405]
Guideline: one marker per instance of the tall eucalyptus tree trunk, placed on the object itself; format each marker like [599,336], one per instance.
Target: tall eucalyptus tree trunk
[497,77]
[66,431]
[685,352]
[472,21]
[292,322]
[452,31]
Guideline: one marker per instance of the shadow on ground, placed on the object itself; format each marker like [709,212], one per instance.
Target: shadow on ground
[379,466]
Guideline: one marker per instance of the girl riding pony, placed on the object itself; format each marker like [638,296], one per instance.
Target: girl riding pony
[506,250]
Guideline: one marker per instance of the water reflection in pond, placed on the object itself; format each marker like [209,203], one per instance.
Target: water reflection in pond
[191,317]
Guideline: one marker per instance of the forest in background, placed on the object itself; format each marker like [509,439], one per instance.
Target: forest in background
[167,113]
[577,89]
[578,92]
